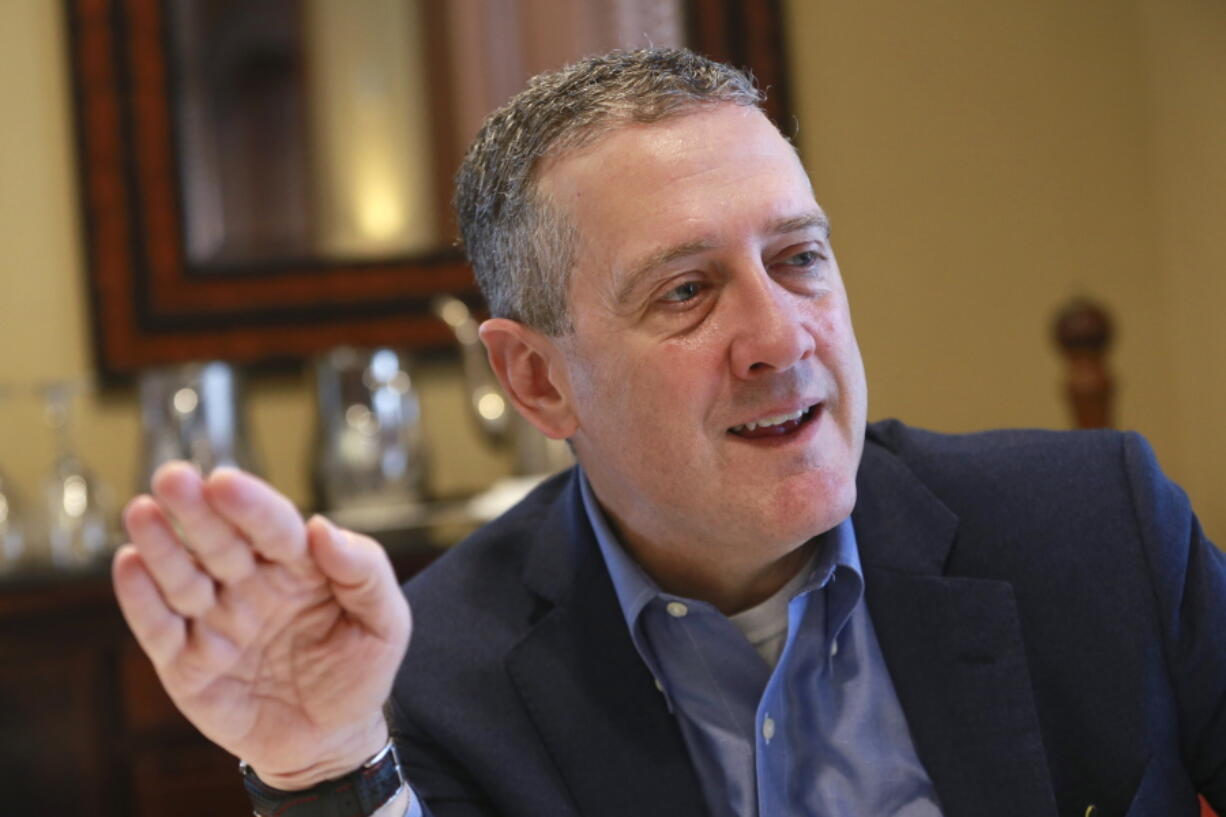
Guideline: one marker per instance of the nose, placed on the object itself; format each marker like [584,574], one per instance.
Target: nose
[770,331]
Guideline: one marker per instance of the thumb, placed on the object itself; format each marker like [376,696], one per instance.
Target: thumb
[361,578]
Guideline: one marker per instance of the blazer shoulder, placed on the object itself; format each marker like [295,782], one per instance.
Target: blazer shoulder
[1062,475]
[485,561]
[1008,453]
[1032,445]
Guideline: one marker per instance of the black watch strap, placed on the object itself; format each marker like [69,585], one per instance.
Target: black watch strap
[360,793]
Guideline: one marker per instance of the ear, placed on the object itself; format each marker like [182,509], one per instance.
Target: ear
[532,372]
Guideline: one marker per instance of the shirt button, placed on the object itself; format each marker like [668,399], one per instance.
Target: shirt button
[659,686]
[768,728]
[834,648]
[676,609]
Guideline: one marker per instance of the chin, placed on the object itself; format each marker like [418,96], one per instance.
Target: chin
[813,504]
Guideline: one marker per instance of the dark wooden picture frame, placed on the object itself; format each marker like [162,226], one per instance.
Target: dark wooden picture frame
[151,306]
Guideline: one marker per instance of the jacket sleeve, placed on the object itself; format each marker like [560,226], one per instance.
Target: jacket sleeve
[1189,581]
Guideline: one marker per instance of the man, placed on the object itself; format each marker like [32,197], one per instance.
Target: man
[694,620]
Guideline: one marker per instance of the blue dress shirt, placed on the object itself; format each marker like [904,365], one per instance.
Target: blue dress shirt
[820,734]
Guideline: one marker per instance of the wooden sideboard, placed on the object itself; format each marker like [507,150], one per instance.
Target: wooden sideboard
[85,729]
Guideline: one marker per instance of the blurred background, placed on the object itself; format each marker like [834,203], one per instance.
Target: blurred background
[982,164]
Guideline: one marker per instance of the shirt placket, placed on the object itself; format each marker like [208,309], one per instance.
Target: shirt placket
[711,675]
[779,712]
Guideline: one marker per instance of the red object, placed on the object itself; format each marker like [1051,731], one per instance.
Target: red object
[1205,811]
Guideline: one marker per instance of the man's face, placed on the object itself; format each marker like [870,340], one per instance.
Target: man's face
[705,300]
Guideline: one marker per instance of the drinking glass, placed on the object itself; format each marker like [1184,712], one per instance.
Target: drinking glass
[12,527]
[77,506]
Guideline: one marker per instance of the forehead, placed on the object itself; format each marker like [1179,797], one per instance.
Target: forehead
[704,176]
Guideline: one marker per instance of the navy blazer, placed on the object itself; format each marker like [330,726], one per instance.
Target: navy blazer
[1051,615]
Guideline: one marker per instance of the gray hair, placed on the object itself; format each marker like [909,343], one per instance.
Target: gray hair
[521,247]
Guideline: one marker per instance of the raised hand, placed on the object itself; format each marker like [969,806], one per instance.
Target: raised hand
[277,638]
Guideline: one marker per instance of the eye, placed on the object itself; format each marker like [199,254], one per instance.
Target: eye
[803,260]
[681,293]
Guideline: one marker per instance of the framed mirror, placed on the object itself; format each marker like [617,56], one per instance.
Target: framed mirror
[265,179]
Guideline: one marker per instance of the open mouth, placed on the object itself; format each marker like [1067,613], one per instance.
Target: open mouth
[779,425]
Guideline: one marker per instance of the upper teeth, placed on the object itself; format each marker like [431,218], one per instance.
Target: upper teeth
[771,421]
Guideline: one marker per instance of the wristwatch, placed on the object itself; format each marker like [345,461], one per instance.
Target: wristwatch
[360,793]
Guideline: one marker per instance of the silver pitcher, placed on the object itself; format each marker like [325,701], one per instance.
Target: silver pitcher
[534,453]
[369,457]
[194,412]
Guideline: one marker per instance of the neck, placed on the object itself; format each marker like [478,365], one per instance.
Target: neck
[731,581]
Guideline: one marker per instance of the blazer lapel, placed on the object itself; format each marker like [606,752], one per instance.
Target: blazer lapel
[587,691]
[953,646]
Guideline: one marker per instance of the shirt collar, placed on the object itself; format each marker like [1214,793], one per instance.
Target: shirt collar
[837,551]
[633,586]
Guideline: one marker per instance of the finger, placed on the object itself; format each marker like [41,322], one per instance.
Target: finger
[241,611]
[160,632]
[215,543]
[187,655]
[187,589]
[260,514]
[361,578]
[207,655]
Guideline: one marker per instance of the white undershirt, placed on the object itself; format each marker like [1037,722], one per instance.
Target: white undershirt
[766,624]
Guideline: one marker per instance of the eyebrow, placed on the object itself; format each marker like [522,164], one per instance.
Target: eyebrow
[805,221]
[659,258]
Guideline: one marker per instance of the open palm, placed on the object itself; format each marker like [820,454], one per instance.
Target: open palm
[277,638]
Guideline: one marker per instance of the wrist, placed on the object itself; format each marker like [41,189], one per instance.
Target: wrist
[350,754]
[372,790]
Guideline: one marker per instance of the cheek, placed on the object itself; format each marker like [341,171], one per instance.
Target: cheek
[834,334]
[612,387]
[840,356]
[660,402]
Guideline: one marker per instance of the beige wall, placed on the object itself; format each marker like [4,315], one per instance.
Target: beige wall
[44,323]
[43,316]
[981,163]
[1184,53]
